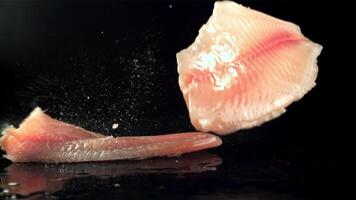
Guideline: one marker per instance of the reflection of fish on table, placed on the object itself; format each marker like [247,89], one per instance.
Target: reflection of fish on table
[29,178]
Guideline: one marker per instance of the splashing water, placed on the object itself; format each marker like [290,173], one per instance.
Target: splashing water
[96,91]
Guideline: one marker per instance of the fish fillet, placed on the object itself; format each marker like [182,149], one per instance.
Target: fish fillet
[244,68]
[41,138]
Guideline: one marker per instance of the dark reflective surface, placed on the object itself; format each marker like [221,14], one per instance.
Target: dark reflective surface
[30,178]
[94,64]
[197,175]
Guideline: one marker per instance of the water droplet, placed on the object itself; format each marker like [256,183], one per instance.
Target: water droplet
[115,126]
[13,184]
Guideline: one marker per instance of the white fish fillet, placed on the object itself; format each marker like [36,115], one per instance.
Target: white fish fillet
[244,68]
[41,138]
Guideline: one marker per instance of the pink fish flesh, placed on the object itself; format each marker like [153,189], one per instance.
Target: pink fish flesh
[244,68]
[41,138]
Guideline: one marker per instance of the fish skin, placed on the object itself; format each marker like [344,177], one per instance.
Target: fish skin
[41,138]
[244,68]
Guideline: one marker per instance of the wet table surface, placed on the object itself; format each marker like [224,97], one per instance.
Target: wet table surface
[98,64]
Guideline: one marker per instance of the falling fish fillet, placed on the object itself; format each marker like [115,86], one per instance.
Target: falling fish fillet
[41,138]
[244,68]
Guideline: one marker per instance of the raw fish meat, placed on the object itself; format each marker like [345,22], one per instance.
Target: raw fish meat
[41,138]
[244,68]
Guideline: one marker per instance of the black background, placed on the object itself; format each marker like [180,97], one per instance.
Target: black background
[98,63]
